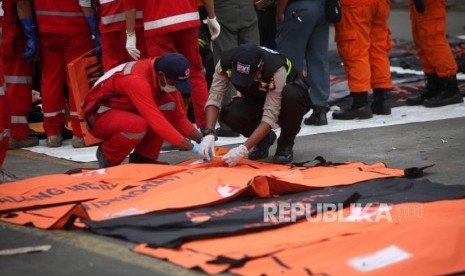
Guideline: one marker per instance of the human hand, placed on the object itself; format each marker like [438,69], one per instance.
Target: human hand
[235,155]
[214,27]
[131,45]
[207,147]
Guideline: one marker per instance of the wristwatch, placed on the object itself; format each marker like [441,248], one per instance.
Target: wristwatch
[208,131]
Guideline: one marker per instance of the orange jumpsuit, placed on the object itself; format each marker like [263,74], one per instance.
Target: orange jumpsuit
[363,43]
[429,36]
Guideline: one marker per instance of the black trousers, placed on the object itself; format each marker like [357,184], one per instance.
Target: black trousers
[244,114]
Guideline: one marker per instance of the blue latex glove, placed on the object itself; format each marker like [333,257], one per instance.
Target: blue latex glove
[29,29]
[92,21]
[195,148]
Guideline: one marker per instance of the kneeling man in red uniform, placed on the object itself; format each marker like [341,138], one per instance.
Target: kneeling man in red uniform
[136,106]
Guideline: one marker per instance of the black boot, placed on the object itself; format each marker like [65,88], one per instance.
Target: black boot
[433,86]
[450,94]
[139,159]
[102,160]
[261,150]
[360,108]
[318,117]
[284,154]
[381,103]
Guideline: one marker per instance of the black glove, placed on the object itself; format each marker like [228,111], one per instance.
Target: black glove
[419,5]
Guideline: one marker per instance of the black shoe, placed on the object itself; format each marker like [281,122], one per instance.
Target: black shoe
[449,94]
[135,158]
[433,86]
[442,100]
[221,132]
[261,150]
[102,161]
[363,112]
[318,118]
[283,155]
[381,103]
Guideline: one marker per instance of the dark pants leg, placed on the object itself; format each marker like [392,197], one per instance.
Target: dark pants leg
[242,115]
[295,104]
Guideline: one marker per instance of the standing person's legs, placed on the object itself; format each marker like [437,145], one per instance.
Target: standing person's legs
[318,65]
[267,27]
[18,81]
[353,44]
[113,49]
[53,79]
[431,35]
[292,35]
[379,59]
[76,46]
[227,39]
[4,118]
[187,44]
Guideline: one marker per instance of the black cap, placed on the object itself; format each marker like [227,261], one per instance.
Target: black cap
[245,64]
[176,69]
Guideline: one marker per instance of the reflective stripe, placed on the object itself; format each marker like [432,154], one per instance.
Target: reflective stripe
[167,106]
[133,136]
[103,109]
[289,66]
[4,134]
[160,23]
[110,73]
[73,113]
[106,1]
[119,17]
[18,79]
[53,114]
[128,67]
[59,13]
[18,120]
[2,89]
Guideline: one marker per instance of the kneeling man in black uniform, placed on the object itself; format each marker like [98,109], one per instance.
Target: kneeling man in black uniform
[272,94]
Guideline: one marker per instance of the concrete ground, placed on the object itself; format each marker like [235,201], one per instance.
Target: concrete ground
[81,253]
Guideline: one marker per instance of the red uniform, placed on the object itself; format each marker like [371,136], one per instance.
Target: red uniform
[4,111]
[172,26]
[17,70]
[113,32]
[64,36]
[128,110]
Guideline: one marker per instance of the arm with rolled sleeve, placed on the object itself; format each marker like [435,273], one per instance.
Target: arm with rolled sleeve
[272,106]
[131,47]
[180,121]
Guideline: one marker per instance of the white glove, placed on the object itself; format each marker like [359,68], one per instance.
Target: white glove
[234,155]
[207,147]
[131,45]
[214,27]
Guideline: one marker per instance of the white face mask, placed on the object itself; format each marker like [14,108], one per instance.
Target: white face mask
[167,88]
